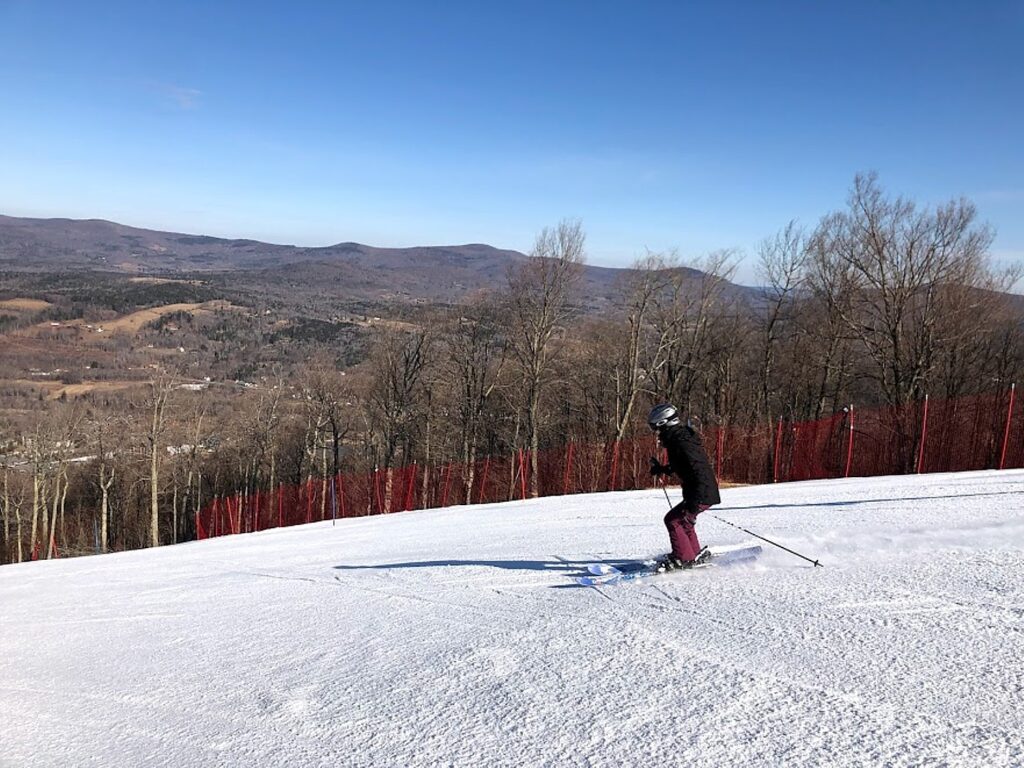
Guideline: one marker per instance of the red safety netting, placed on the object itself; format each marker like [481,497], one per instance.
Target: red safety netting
[977,432]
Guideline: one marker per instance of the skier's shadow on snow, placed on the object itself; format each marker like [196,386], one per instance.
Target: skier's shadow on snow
[556,565]
[854,502]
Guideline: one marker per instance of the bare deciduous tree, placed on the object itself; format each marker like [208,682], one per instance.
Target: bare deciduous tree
[474,350]
[781,262]
[399,360]
[913,272]
[327,400]
[645,346]
[154,410]
[688,317]
[540,294]
[917,280]
[13,498]
[106,447]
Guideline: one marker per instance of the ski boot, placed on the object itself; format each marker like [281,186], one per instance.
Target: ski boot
[669,563]
[702,557]
[672,563]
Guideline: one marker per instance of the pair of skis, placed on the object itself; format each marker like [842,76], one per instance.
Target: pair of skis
[603,574]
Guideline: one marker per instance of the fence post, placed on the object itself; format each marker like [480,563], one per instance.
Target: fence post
[447,484]
[376,491]
[410,488]
[924,433]
[795,453]
[522,473]
[612,480]
[1006,431]
[483,480]
[568,468]
[778,450]
[334,499]
[849,445]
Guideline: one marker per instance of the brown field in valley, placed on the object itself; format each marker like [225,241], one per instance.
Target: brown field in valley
[92,387]
[55,389]
[96,330]
[133,322]
[24,306]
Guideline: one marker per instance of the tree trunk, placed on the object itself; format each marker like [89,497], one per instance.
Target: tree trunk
[425,482]
[17,517]
[469,456]
[174,513]
[513,464]
[104,517]
[273,470]
[51,541]
[154,500]
[35,509]
[7,512]
[534,442]
[323,486]
[199,493]
[44,501]
[63,504]
[389,483]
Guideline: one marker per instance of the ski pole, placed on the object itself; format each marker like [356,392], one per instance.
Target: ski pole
[660,480]
[662,484]
[762,538]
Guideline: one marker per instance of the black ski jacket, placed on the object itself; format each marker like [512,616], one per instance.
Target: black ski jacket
[687,458]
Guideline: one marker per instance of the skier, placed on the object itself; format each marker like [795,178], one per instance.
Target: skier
[688,460]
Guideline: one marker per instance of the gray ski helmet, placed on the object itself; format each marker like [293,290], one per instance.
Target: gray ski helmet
[664,415]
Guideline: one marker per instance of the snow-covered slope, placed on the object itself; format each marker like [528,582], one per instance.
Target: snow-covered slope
[458,637]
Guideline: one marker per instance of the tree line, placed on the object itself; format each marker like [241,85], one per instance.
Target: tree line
[879,303]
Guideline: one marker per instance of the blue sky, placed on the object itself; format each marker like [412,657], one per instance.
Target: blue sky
[660,125]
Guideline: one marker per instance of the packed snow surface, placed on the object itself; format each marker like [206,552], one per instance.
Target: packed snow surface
[459,637]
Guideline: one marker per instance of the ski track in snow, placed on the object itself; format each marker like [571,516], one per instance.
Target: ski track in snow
[458,637]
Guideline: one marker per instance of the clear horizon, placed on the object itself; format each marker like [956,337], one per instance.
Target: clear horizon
[660,127]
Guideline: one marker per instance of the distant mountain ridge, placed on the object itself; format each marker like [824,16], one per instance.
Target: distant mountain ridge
[27,244]
[353,270]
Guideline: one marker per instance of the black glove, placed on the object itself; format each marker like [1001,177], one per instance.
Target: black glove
[658,469]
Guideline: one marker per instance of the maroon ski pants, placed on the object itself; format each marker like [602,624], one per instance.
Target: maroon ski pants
[680,522]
